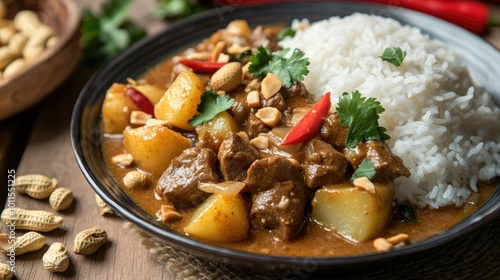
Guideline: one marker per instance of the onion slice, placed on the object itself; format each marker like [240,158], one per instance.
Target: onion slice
[226,189]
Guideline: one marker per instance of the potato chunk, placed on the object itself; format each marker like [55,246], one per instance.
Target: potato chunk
[214,131]
[220,219]
[354,213]
[153,147]
[180,102]
[116,109]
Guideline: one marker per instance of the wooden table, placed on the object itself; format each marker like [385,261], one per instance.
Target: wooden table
[38,141]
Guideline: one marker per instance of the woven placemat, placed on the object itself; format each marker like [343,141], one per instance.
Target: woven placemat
[475,257]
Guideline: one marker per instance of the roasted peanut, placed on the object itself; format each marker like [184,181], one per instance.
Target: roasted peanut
[227,78]
[29,242]
[5,272]
[6,33]
[52,41]
[139,117]
[17,43]
[37,42]
[36,220]
[214,56]
[27,22]
[6,57]
[89,241]
[36,185]
[271,84]
[14,67]
[105,209]
[61,199]
[239,27]
[135,179]
[270,116]
[56,258]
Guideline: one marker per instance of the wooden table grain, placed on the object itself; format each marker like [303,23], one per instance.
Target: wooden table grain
[38,141]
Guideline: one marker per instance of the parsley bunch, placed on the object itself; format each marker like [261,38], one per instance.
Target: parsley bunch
[106,35]
[289,69]
[178,8]
[361,116]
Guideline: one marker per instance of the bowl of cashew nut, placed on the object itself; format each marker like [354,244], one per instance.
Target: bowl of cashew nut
[39,48]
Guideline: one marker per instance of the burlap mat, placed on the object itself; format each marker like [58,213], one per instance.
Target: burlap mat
[475,257]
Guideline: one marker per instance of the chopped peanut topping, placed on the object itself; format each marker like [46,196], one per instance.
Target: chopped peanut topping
[139,117]
[253,99]
[123,159]
[364,184]
[270,116]
[382,245]
[198,56]
[236,49]
[217,51]
[271,84]
[260,142]
[246,74]
[167,213]
[157,122]
[401,238]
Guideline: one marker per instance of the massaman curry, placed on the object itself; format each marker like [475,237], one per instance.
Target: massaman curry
[223,143]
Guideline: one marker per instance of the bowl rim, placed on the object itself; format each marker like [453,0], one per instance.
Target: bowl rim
[488,212]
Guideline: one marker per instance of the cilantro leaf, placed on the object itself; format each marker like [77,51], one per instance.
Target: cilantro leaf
[406,213]
[365,169]
[361,116]
[394,56]
[286,32]
[289,69]
[106,35]
[211,104]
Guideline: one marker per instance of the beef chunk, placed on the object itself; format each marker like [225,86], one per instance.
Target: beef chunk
[333,132]
[255,126]
[265,173]
[279,196]
[235,156]
[323,164]
[178,185]
[387,165]
[277,101]
[280,209]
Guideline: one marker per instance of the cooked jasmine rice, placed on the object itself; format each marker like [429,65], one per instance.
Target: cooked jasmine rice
[446,129]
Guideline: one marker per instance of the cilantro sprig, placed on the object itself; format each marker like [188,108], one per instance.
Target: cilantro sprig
[286,32]
[394,56]
[289,69]
[168,9]
[106,35]
[211,104]
[365,169]
[361,115]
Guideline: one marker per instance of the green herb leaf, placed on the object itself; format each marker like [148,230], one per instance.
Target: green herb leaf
[106,35]
[361,116]
[289,69]
[178,8]
[211,104]
[394,56]
[286,32]
[407,213]
[365,169]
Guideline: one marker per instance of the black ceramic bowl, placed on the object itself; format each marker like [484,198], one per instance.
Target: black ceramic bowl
[481,58]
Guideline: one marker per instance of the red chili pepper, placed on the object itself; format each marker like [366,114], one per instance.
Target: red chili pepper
[141,101]
[201,66]
[311,122]
[471,15]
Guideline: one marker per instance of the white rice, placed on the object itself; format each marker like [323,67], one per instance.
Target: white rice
[445,129]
